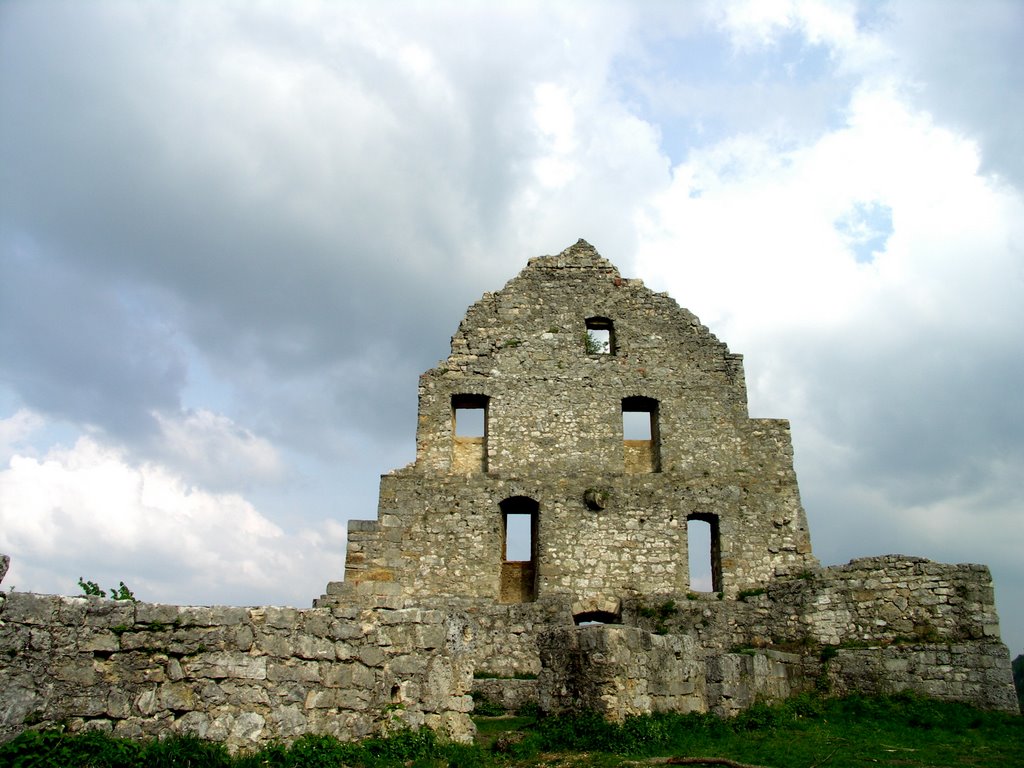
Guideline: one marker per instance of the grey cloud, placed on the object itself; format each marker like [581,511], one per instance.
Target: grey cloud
[290,243]
[276,230]
[965,61]
[925,418]
[79,350]
[315,213]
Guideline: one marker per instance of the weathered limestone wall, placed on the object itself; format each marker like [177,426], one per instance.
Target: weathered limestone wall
[737,681]
[444,534]
[889,599]
[971,672]
[876,625]
[620,671]
[244,676]
[554,430]
[511,695]
[432,595]
[495,640]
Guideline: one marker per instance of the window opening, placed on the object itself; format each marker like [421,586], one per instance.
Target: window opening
[704,552]
[469,433]
[636,425]
[600,336]
[640,434]
[518,537]
[518,578]
[469,422]
[596,617]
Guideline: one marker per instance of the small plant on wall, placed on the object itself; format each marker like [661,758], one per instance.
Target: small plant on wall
[91,588]
[594,344]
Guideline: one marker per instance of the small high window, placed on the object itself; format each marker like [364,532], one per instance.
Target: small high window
[704,552]
[596,617]
[600,336]
[640,435]
[469,431]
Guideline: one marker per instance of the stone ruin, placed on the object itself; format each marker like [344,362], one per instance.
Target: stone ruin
[536,553]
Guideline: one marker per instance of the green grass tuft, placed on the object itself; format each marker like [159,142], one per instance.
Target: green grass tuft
[898,730]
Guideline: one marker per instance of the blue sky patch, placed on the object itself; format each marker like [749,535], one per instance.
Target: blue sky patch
[866,227]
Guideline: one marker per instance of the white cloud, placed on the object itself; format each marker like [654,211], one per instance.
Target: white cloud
[748,207]
[759,23]
[15,429]
[87,511]
[895,372]
[275,216]
[216,452]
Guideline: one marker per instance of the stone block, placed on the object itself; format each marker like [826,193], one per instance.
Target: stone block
[225,664]
[338,698]
[293,669]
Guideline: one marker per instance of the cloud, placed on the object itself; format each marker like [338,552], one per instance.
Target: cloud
[962,64]
[14,430]
[169,541]
[217,452]
[84,348]
[232,236]
[893,369]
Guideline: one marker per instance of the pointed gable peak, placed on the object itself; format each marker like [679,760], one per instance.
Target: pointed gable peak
[579,255]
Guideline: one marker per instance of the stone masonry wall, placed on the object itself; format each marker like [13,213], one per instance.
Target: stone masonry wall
[554,435]
[620,671]
[875,625]
[243,676]
[431,593]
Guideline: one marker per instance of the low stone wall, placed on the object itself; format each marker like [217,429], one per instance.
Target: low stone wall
[737,681]
[876,625]
[896,598]
[243,676]
[620,671]
[510,695]
[974,672]
[499,639]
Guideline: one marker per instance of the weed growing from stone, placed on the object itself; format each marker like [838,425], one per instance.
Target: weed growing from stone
[92,589]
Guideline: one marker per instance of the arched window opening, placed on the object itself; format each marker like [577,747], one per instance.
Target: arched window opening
[640,434]
[469,433]
[704,552]
[599,338]
[519,524]
[596,617]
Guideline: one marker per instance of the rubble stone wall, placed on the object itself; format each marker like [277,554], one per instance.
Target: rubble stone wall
[431,593]
[876,625]
[243,676]
[620,671]
[554,433]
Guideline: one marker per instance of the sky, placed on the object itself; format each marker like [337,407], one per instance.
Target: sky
[233,234]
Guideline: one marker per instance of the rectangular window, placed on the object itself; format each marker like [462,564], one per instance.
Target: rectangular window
[518,577]
[518,537]
[469,422]
[600,336]
[704,552]
[636,425]
[640,435]
[469,433]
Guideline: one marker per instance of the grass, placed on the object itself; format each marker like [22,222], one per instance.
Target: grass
[903,730]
